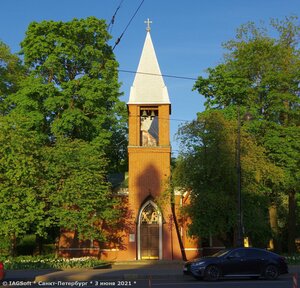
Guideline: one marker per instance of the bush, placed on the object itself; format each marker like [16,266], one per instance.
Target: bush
[40,262]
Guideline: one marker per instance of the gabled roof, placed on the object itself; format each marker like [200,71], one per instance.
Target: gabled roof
[148,86]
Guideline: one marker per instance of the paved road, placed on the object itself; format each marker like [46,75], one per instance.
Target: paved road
[283,282]
[133,275]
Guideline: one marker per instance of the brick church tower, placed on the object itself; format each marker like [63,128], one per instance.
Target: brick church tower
[149,153]
[150,232]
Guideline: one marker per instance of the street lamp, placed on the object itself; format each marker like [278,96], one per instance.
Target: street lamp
[240,234]
[240,238]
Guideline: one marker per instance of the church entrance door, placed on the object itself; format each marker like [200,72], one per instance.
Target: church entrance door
[150,241]
[150,220]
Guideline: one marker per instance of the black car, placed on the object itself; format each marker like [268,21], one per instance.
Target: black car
[237,262]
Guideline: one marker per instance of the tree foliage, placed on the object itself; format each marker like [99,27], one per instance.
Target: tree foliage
[81,198]
[11,72]
[20,177]
[260,74]
[75,58]
[66,127]
[207,167]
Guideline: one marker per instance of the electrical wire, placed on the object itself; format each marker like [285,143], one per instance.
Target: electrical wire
[112,21]
[119,39]
[163,75]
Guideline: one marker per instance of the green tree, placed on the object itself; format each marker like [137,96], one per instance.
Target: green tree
[81,198]
[20,178]
[260,73]
[69,101]
[26,108]
[76,58]
[207,167]
[21,160]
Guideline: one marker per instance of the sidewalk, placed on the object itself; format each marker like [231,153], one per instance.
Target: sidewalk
[122,271]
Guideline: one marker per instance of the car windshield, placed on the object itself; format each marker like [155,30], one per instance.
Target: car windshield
[221,253]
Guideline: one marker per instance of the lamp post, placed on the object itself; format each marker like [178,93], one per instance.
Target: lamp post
[240,238]
[240,234]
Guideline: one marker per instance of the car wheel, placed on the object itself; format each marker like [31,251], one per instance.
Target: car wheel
[271,272]
[212,273]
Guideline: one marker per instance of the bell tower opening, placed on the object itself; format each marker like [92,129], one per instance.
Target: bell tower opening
[149,134]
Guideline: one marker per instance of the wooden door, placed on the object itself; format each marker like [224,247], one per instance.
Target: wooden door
[149,241]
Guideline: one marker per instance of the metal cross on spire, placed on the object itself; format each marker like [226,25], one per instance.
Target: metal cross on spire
[148,22]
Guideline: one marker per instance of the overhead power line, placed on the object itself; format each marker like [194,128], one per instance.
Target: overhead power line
[112,21]
[119,39]
[163,75]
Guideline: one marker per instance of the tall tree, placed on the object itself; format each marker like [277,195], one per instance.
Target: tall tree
[76,58]
[70,100]
[261,74]
[207,167]
[85,110]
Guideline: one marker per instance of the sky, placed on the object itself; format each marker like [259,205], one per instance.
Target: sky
[187,36]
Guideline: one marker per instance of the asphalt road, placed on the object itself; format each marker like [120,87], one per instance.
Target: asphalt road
[241,283]
[134,275]
[284,281]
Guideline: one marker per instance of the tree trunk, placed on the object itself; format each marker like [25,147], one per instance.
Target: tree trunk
[275,241]
[292,223]
[13,245]
[38,245]
[178,231]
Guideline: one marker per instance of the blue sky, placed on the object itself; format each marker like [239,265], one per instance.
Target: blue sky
[187,35]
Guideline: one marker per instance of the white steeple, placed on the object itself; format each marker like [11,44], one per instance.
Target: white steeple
[148,86]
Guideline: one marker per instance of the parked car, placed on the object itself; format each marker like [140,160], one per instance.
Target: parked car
[2,271]
[238,262]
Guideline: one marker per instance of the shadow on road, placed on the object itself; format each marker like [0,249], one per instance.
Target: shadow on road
[26,275]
